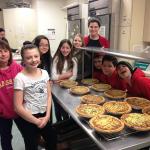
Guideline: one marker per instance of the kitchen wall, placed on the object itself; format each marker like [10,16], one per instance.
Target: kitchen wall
[20,25]
[2,5]
[51,17]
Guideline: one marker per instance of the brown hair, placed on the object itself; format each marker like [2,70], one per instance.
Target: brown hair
[26,47]
[94,19]
[5,45]
[61,58]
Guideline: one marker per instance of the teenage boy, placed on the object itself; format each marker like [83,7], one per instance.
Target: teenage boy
[94,39]
[137,83]
[109,74]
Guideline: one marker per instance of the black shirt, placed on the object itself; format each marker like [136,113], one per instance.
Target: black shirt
[88,58]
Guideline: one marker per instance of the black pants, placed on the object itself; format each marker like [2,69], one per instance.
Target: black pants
[60,113]
[30,133]
[5,133]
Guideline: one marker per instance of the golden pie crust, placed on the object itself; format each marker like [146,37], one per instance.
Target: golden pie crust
[138,102]
[106,124]
[117,108]
[137,121]
[68,83]
[92,99]
[146,110]
[89,81]
[79,90]
[115,94]
[89,110]
[101,87]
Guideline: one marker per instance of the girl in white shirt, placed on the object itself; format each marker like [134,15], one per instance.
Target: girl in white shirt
[32,101]
[64,65]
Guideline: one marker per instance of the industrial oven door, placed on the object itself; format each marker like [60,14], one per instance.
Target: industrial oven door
[105,28]
[74,27]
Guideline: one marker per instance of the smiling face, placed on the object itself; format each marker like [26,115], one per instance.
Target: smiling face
[77,42]
[43,46]
[4,56]
[108,68]
[31,58]
[123,71]
[65,49]
[98,62]
[94,29]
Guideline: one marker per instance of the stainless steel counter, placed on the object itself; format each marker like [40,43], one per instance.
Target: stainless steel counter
[124,142]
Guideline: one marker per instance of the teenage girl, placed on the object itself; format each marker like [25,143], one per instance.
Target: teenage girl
[64,67]
[77,44]
[43,45]
[32,101]
[8,71]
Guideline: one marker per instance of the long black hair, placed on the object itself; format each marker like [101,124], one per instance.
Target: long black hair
[46,58]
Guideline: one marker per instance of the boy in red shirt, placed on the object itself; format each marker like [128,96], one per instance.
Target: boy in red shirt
[109,74]
[97,65]
[137,83]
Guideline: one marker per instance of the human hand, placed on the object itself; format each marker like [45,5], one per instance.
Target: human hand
[44,121]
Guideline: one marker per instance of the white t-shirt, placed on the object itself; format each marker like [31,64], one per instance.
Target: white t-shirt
[54,73]
[34,91]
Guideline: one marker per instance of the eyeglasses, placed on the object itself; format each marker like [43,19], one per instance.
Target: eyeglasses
[43,45]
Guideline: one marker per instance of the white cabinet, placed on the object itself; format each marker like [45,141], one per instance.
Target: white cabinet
[131,24]
[20,25]
[146,35]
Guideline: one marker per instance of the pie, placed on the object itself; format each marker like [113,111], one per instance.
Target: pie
[89,110]
[115,94]
[137,121]
[68,83]
[101,87]
[117,108]
[138,102]
[79,90]
[92,99]
[89,81]
[106,124]
[146,110]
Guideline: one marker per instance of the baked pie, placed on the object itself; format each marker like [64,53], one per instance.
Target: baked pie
[137,121]
[117,108]
[106,124]
[79,90]
[146,110]
[89,110]
[101,87]
[92,99]
[115,94]
[89,81]
[138,102]
[68,83]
